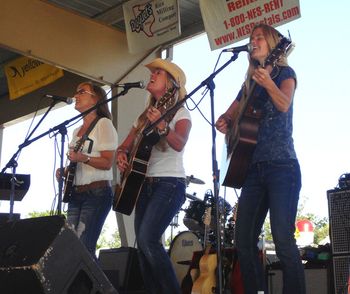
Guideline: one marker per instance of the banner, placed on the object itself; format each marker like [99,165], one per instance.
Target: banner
[229,21]
[150,23]
[24,75]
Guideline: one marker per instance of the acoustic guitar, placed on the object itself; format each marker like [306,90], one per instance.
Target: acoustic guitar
[69,178]
[206,282]
[242,136]
[132,179]
[70,171]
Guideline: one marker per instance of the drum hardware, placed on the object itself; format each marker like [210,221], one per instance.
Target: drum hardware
[193,219]
[193,180]
[181,250]
[174,223]
[194,213]
[185,262]
[192,197]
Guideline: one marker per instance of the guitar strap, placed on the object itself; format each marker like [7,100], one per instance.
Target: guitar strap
[86,135]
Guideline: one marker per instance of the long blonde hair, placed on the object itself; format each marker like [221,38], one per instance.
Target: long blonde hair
[272,37]
[151,101]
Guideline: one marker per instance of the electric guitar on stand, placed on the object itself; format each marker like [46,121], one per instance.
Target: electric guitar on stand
[206,282]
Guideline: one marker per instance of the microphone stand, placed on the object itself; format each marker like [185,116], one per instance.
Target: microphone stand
[13,163]
[62,129]
[208,82]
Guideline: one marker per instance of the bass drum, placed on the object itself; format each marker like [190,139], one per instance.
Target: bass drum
[181,252]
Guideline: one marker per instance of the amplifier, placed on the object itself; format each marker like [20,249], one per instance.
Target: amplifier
[121,266]
[339,220]
[316,280]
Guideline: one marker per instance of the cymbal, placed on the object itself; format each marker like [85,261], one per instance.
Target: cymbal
[193,180]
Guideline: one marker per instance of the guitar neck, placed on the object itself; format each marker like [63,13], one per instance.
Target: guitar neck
[206,240]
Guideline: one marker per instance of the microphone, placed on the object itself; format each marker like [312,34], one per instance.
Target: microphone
[67,100]
[248,47]
[140,84]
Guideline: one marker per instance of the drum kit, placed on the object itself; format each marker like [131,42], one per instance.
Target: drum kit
[186,243]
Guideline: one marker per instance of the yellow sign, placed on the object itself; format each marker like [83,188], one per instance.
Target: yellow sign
[24,75]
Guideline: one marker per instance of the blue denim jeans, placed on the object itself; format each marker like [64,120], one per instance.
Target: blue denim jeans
[87,212]
[274,186]
[158,203]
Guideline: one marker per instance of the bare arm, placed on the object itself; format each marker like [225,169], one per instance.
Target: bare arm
[124,149]
[178,137]
[103,162]
[281,97]
[226,118]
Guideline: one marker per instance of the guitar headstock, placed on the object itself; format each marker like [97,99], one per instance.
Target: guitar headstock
[281,48]
[167,100]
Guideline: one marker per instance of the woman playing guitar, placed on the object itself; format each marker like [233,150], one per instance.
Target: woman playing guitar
[163,180]
[273,180]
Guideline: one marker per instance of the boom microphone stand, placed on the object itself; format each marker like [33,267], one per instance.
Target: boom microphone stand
[13,163]
[208,82]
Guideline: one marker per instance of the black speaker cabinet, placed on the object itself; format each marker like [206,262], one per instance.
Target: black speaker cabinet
[5,217]
[43,255]
[121,266]
[341,273]
[316,279]
[339,220]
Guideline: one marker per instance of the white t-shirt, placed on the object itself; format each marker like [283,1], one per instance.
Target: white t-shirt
[170,162]
[103,137]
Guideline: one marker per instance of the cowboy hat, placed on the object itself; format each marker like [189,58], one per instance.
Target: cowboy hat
[175,71]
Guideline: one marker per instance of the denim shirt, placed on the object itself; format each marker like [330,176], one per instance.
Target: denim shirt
[275,141]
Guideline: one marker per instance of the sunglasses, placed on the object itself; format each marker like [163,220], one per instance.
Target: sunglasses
[82,91]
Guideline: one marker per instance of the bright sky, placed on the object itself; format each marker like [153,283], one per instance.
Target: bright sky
[321,113]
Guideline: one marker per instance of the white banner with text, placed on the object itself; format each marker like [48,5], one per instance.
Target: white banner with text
[151,23]
[229,21]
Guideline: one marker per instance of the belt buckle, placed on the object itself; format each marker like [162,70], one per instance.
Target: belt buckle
[150,180]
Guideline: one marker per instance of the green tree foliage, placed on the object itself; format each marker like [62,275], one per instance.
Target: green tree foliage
[108,241]
[321,224]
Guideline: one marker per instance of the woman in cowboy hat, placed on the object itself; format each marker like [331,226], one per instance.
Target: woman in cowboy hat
[163,191]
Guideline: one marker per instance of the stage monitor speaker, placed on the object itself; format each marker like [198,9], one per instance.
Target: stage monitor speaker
[43,255]
[316,279]
[339,220]
[121,266]
[341,273]
[5,217]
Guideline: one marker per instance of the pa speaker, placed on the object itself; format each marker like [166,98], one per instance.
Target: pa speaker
[341,273]
[339,220]
[5,217]
[43,255]
[121,266]
[316,280]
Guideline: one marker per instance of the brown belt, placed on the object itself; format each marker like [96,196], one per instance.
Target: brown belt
[91,186]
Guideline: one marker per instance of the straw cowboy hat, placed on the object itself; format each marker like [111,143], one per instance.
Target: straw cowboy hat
[171,68]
